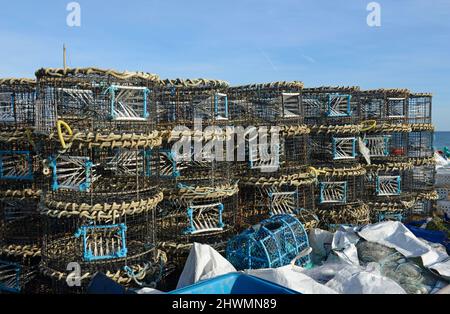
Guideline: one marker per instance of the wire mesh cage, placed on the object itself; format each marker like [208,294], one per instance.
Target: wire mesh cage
[95,100]
[262,197]
[420,108]
[273,243]
[17,99]
[420,144]
[98,212]
[15,277]
[20,227]
[383,146]
[97,133]
[331,106]
[200,203]
[182,102]
[385,105]
[354,214]
[197,210]
[111,229]
[422,178]
[334,148]
[340,186]
[277,103]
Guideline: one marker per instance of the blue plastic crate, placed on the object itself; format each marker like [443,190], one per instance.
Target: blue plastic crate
[235,283]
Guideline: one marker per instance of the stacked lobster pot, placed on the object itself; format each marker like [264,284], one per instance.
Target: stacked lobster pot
[385,153]
[392,178]
[19,193]
[420,149]
[333,115]
[275,178]
[200,194]
[99,197]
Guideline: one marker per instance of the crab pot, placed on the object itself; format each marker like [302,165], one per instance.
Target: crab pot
[272,243]
[420,109]
[385,146]
[111,231]
[422,208]
[197,213]
[264,197]
[278,103]
[20,181]
[17,100]
[331,106]
[340,187]
[203,161]
[182,102]
[421,178]
[289,155]
[334,148]
[387,185]
[420,144]
[355,214]
[95,100]
[385,105]
[15,277]
[20,233]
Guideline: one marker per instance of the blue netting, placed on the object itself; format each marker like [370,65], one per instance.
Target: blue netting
[274,242]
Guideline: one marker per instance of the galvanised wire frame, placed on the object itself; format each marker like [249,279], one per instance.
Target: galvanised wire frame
[20,228]
[200,194]
[420,144]
[17,99]
[277,103]
[279,183]
[331,106]
[385,105]
[181,102]
[420,108]
[100,196]
[261,201]
[113,191]
[95,100]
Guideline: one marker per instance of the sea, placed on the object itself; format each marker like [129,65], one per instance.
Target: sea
[441,139]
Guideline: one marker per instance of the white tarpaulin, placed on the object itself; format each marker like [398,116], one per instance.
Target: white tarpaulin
[203,263]
[338,274]
[395,235]
[354,280]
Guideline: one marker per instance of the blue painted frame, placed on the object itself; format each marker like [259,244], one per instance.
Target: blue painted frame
[88,255]
[349,112]
[335,144]
[396,216]
[322,189]
[172,158]
[17,287]
[82,187]
[399,187]
[190,214]
[28,177]
[112,91]
[216,105]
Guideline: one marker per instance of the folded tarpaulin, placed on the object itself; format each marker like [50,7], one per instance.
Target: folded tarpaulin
[395,235]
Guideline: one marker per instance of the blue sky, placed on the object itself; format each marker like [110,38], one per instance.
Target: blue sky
[315,41]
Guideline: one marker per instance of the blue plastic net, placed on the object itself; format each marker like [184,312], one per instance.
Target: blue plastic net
[273,243]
